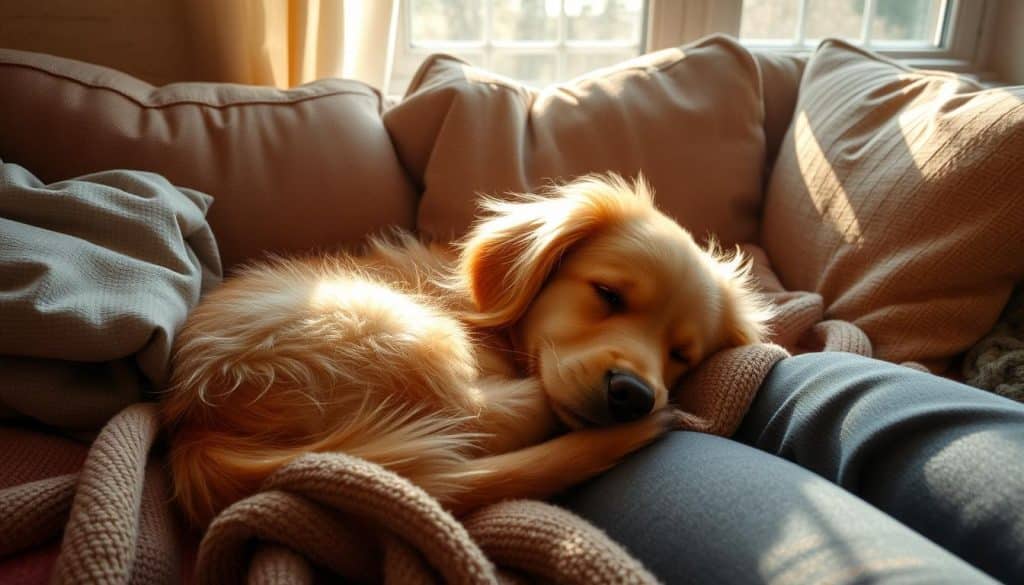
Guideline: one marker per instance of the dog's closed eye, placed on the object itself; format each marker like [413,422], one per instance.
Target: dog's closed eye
[612,298]
[679,356]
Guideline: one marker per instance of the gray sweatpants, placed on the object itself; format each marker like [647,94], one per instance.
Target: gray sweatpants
[846,470]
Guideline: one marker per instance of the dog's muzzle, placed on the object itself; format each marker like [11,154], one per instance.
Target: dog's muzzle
[629,397]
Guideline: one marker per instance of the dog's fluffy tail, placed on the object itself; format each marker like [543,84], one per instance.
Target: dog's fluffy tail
[212,469]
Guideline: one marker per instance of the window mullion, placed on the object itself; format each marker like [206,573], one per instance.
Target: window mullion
[801,23]
[867,20]
[941,36]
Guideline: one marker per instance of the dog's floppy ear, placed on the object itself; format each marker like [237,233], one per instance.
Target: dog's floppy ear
[748,313]
[511,251]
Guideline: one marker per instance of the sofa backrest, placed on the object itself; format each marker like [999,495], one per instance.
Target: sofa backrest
[289,170]
[780,82]
[690,119]
[314,167]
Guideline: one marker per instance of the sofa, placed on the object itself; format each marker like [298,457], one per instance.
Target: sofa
[882,208]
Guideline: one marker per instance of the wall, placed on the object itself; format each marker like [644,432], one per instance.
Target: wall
[145,38]
[1006,49]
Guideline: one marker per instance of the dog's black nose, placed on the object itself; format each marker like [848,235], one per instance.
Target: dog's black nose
[629,398]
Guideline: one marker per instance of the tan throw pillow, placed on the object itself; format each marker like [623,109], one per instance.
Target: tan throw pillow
[289,170]
[898,195]
[690,119]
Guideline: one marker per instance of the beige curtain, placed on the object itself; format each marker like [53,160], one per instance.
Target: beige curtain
[289,42]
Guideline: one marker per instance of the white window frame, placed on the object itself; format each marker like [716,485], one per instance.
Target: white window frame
[670,23]
[562,47]
[675,22]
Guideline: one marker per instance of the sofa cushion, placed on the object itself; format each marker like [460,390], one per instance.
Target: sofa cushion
[898,195]
[288,169]
[780,80]
[690,119]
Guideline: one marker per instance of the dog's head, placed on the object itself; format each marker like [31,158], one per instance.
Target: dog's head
[610,301]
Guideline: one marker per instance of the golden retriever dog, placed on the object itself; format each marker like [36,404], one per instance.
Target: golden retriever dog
[536,354]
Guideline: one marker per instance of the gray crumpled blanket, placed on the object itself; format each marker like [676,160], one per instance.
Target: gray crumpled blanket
[96,276]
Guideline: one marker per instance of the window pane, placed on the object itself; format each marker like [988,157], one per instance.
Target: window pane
[579,63]
[769,19]
[525,20]
[906,20]
[536,70]
[834,18]
[447,20]
[538,42]
[603,20]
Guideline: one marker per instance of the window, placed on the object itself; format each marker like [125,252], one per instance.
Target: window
[536,41]
[545,41]
[937,34]
[885,24]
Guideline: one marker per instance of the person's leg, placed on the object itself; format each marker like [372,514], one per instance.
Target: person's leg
[945,459]
[702,509]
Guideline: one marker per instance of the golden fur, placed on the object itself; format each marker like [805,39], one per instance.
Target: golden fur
[460,371]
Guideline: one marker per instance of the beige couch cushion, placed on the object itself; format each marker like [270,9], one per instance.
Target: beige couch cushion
[690,119]
[780,80]
[898,195]
[288,170]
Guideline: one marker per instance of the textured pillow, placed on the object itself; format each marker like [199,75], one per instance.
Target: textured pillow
[288,170]
[898,195]
[690,119]
[780,80]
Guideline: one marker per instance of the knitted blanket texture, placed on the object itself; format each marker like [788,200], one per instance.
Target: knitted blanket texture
[996,363]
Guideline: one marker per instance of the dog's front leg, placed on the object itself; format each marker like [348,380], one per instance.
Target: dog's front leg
[543,470]
[514,414]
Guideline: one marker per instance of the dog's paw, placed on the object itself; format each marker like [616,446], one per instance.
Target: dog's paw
[680,420]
